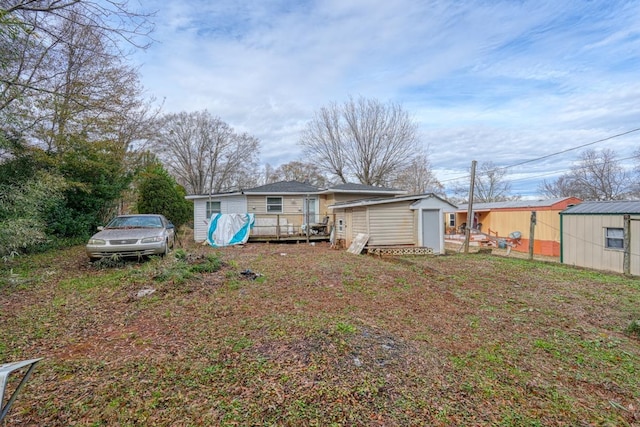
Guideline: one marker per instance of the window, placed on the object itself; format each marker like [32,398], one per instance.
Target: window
[274,204]
[213,208]
[614,238]
[340,225]
[452,220]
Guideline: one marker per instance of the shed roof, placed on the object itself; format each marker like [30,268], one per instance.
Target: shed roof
[351,187]
[610,207]
[514,204]
[381,201]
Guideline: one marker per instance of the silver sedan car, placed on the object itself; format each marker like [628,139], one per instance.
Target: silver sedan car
[132,236]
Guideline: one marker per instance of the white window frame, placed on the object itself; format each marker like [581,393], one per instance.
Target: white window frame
[210,210]
[452,220]
[614,234]
[271,205]
[340,225]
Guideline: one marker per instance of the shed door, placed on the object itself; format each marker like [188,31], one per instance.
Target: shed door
[431,229]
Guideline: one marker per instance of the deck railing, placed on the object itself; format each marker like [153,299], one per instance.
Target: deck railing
[290,225]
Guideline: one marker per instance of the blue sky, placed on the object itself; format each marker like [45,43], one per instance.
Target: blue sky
[500,81]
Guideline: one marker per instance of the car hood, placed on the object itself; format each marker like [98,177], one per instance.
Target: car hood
[128,233]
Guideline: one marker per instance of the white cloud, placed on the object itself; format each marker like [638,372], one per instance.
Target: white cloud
[496,80]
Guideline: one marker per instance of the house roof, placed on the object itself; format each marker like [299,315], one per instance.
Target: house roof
[216,195]
[380,201]
[351,187]
[297,187]
[514,204]
[283,187]
[611,207]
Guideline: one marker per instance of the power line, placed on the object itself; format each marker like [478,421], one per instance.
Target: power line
[552,154]
[572,149]
[574,168]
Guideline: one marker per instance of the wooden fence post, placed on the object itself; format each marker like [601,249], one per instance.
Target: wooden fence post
[532,229]
[626,263]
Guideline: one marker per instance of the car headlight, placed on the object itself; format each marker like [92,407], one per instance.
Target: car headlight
[97,242]
[153,239]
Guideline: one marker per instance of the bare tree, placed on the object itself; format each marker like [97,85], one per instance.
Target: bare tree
[33,31]
[92,92]
[362,139]
[635,190]
[490,185]
[205,154]
[561,187]
[597,176]
[299,171]
[418,177]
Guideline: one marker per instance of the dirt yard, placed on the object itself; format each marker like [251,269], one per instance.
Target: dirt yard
[293,335]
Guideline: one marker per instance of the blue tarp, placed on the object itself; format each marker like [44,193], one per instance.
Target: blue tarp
[229,229]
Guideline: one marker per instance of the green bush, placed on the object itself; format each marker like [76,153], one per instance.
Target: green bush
[159,193]
[634,328]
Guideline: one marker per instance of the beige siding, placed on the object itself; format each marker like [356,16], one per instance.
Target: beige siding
[323,203]
[359,222]
[290,204]
[293,208]
[392,224]
[584,243]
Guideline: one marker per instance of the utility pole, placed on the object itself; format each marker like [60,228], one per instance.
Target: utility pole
[532,229]
[467,230]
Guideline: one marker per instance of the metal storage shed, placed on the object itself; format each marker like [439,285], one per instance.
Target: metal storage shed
[405,221]
[593,235]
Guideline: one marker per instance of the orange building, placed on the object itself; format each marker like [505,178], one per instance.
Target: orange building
[500,219]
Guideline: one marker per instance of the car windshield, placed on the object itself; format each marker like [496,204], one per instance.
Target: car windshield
[135,222]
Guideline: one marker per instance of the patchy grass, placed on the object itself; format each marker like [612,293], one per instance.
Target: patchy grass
[305,335]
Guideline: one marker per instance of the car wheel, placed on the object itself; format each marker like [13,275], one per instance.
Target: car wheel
[166,248]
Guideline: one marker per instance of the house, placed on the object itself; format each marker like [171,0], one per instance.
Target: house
[402,221]
[282,208]
[593,236]
[499,219]
[206,205]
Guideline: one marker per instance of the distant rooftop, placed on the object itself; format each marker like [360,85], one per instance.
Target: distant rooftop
[610,207]
[514,204]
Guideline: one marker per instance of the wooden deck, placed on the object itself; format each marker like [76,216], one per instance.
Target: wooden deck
[289,238]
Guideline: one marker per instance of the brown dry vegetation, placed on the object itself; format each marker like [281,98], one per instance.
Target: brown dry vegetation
[320,337]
